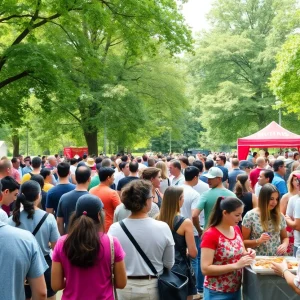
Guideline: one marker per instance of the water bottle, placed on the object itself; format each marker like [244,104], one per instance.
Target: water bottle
[298,255]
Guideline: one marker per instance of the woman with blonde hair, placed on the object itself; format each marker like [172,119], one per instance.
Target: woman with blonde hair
[165,181]
[154,176]
[183,234]
[244,193]
[264,227]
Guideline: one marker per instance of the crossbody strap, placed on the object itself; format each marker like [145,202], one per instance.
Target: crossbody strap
[112,263]
[138,248]
[38,226]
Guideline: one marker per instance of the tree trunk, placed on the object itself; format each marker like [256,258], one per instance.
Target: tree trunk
[91,138]
[16,144]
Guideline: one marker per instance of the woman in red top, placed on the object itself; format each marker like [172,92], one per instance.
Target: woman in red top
[223,255]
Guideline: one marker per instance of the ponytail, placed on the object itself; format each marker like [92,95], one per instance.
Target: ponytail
[16,211]
[229,204]
[30,191]
[82,245]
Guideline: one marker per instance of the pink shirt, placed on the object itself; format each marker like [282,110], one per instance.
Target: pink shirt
[93,283]
[227,251]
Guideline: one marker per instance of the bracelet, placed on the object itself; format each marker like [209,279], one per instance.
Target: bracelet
[283,272]
[257,241]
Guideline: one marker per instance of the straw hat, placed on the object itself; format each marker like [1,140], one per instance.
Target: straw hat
[90,162]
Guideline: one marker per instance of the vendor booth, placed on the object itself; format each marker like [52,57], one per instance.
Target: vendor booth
[70,152]
[272,136]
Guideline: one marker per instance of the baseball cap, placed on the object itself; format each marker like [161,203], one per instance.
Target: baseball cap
[214,172]
[89,205]
[246,164]
[297,175]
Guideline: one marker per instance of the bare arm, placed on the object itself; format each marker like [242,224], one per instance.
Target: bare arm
[60,225]
[253,243]
[52,245]
[57,276]
[38,288]
[282,270]
[209,269]
[189,238]
[50,210]
[284,203]
[254,201]
[120,275]
[293,224]
[195,215]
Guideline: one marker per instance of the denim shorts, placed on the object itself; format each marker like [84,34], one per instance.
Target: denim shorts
[215,295]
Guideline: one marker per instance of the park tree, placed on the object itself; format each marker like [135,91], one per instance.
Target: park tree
[285,78]
[232,66]
[62,52]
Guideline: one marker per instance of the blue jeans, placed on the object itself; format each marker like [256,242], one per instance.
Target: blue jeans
[295,250]
[196,266]
[214,295]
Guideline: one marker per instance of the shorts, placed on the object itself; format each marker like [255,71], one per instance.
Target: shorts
[47,275]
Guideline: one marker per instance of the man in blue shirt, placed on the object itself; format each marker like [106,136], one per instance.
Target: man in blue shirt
[234,173]
[20,258]
[278,181]
[64,186]
[221,161]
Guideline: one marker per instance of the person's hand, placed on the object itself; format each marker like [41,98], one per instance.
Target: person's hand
[250,252]
[244,261]
[264,238]
[281,249]
[279,268]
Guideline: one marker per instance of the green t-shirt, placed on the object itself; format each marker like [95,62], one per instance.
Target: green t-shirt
[209,198]
[94,182]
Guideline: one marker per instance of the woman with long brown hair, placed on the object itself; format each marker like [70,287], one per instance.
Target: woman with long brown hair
[223,255]
[264,227]
[82,260]
[183,234]
[244,193]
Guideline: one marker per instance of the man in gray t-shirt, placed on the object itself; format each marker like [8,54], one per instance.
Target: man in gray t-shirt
[20,258]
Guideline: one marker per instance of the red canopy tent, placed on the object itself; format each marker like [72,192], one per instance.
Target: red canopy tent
[272,136]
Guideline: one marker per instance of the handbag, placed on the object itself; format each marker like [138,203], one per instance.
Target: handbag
[190,271]
[112,263]
[171,285]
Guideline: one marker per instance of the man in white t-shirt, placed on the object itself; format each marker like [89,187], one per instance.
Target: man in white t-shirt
[191,198]
[73,167]
[175,170]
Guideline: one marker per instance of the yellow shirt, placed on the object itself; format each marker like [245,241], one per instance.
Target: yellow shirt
[47,186]
[26,177]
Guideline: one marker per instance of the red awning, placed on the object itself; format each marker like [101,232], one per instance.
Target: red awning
[272,136]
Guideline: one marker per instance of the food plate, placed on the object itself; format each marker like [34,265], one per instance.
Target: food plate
[262,264]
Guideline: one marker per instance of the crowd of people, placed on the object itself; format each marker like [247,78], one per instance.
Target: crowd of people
[64,223]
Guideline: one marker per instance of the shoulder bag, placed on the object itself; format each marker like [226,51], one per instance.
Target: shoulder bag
[35,231]
[112,263]
[171,285]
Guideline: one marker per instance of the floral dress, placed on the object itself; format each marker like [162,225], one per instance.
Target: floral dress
[227,251]
[252,222]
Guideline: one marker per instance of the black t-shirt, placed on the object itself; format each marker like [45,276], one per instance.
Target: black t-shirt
[124,181]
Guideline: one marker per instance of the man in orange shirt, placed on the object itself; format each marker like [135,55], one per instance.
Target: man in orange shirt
[109,197]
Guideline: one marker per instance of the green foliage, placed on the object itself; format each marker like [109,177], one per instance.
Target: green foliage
[232,65]
[285,78]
